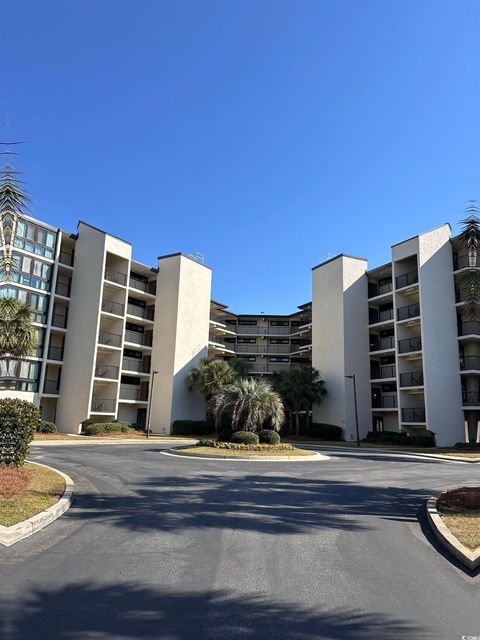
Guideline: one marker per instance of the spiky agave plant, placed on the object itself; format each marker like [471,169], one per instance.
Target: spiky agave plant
[470,281]
[13,203]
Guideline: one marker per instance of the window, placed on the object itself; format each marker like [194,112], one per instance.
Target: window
[279,341]
[246,341]
[35,239]
[279,359]
[250,323]
[279,323]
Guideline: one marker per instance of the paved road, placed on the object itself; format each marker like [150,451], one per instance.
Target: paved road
[158,547]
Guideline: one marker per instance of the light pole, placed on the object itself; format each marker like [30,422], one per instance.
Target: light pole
[152,380]
[352,377]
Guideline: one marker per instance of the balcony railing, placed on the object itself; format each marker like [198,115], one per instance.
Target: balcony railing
[138,338]
[380,316]
[471,363]
[63,289]
[51,387]
[411,379]
[261,348]
[383,343]
[103,405]
[59,320]
[106,371]
[262,331]
[115,308]
[462,262]
[471,398]
[407,279]
[139,312]
[410,311]
[127,393]
[135,364]
[389,371]
[116,276]
[385,402]
[55,353]
[409,345]
[375,290]
[109,339]
[141,285]
[411,414]
[469,328]
[66,257]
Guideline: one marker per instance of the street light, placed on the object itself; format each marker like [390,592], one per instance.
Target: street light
[352,377]
[152,380]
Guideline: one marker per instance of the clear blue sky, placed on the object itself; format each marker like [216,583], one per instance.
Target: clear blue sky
[263,133]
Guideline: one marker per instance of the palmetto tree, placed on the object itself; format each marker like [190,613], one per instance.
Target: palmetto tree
[13,203]
[251,402]
[300,389]
[208,378]
[241,367]
[17,334]
[470,282]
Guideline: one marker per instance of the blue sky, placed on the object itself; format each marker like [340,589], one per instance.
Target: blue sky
[265,134]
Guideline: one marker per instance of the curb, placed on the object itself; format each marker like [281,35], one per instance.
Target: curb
[212,456]
[60,443]
[468,557]
[26,528]
[398,452]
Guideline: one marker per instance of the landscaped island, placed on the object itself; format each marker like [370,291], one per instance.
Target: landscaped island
[460,511]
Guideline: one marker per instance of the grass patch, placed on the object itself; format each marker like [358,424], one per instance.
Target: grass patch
[26,491]
[466,528]
[460,510]
[282,453]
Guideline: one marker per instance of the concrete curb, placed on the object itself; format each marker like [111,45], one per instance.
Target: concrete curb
[60,443]
[468,557]
[403,452]
[22,530]
[220,456]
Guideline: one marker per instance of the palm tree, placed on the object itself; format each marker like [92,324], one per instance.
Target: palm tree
[208,378]
[13,203]
[251,402]
[17,334]
[242,367]
[470,282]
[300,389]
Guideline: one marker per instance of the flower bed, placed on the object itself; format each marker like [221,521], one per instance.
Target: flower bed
[235,446]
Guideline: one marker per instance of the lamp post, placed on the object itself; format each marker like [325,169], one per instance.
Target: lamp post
[152,380]
[352,377]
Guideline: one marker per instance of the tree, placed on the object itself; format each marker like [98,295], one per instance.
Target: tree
[251,402]
[241,367]
[300,389]
[470,281]
[18,338]
[13,203]
[208,378]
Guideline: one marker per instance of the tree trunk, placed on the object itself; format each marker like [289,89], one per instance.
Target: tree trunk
[307,418]
[297,423]
[290,422]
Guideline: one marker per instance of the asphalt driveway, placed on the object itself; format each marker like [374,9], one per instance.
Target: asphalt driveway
[160,547]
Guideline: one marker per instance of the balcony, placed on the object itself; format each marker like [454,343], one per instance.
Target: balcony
[139,312]
[470,363]
[385,402]
[106,371]
[260,330]
[55,353]
[135,395]
[62,289]
[66,257]
[138,338]
[469,328]
[103,405]
[375,290]
[411,414]
[141,285]
[410,345]
[380,316]
[471,398]
[261,348]
[109,339]
[116,276]
[389,371]
[51,387]
[135,364]
[59,320]
[382,344]
[410,311]
[411,379]
[406,280]
[115,308]
[462,262]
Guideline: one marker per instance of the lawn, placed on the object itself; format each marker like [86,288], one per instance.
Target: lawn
[26,491]
[460,510]
[234,453]
[466,528]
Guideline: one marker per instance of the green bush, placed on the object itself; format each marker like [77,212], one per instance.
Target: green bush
[474,446]
[106,427]
[44,426]
[244,437]
[19,420]
[400,438]
[269,436]
[325,431]
[237,446]
[191,427]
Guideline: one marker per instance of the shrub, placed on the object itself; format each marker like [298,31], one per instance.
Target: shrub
[325,431]
[468,445]
[401,438]
[420,441]
[269,436]
[191,427]
[244,437]
[18,422]
[44,426]
[224,435]
[97,428]
[237,446]
[137,427]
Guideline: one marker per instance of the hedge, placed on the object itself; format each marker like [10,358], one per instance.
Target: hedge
[400,437]
[19,420]
[244,437]
[269,436]
[191,427]
[325,431]
[44,426]
[106,427]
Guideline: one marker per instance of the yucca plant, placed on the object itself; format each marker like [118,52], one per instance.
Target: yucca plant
[251,401]
[17,334]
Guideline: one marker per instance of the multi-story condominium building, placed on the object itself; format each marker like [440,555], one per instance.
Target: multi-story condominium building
[109,328]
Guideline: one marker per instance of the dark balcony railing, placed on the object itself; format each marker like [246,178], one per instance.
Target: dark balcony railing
[411,379]
[307,320]
[410,311]
[103,405]
[109,339]
[66,257]
[471,398]
[261,348]
[410,344]
[127,393]
[55,353]
[375,290]
[471,363]
[469,328]
[50,386]
[138,338]
[380,316]
[106,371]
[382,343]
[413,414]
[384,372]
[407,279]
[140,312]
[135,364]
[63,289]
[462,262]
[59,320]
[141,285]
[385,402]
[115,276]
[115,308]
[250,330]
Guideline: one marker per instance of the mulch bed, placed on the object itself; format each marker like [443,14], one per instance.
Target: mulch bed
[460,500]
[13,479]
